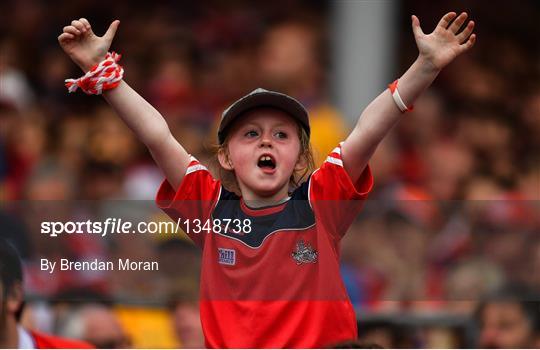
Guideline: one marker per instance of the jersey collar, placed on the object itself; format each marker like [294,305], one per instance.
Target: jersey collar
[262,211]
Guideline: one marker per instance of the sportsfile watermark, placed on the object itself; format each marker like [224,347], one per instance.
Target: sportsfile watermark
[467,247]
[122,226]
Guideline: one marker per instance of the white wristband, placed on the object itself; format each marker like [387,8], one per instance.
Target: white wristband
[397,98]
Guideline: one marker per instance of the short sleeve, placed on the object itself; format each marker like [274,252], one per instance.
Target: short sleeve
[335,199]
[195,198]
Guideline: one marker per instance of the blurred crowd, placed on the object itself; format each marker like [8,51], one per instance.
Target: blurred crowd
[454,215]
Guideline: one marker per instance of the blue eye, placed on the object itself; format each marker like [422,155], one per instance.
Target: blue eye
[251,133]
[281,135]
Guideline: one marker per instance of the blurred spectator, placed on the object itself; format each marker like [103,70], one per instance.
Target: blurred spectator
[468,281]
[383,334]
[110,140]
[184,307]
[96,324]
[12,333]
[26,143]
[171,89]
[510,319]
[141,182]
[102,180]
[16,89]
[290,59]
[50,181]
[183,299]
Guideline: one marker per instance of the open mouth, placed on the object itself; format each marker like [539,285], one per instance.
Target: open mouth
[266,162]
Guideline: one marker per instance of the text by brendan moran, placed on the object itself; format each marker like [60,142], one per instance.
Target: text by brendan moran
[98,265]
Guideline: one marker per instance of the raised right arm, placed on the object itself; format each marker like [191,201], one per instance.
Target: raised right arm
[86,49]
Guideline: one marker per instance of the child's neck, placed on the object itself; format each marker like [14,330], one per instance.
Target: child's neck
[264,203]
[255,200]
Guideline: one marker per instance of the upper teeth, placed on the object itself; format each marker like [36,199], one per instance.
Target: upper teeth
[263,158]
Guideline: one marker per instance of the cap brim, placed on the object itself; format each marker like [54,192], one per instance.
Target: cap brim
[263,99]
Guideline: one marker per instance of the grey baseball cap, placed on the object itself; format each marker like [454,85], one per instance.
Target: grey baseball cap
[263,98]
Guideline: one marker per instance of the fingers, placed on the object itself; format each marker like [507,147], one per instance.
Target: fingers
[458,22]
[72,30]
[109,35]
[462,37]
[77,24]
[417,30]
[86,23]
[76,29]
[446,19]
[469,43]
[65,37]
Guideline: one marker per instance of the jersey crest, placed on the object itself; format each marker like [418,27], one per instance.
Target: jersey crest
[304,253]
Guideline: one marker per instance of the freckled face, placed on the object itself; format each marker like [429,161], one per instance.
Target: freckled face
[264,149]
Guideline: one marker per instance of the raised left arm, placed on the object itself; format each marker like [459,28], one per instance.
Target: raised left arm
[436,50]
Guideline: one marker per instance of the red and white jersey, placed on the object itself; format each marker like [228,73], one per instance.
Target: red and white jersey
[278,285]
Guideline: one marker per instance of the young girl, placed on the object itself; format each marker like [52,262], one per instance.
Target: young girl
[270,275]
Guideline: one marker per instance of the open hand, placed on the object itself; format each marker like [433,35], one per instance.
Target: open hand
[446,42]
[84,47]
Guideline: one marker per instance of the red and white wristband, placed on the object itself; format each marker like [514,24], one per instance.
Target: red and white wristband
[105,75]
[397,98]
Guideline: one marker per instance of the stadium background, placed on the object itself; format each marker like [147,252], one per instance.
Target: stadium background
[454,214]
